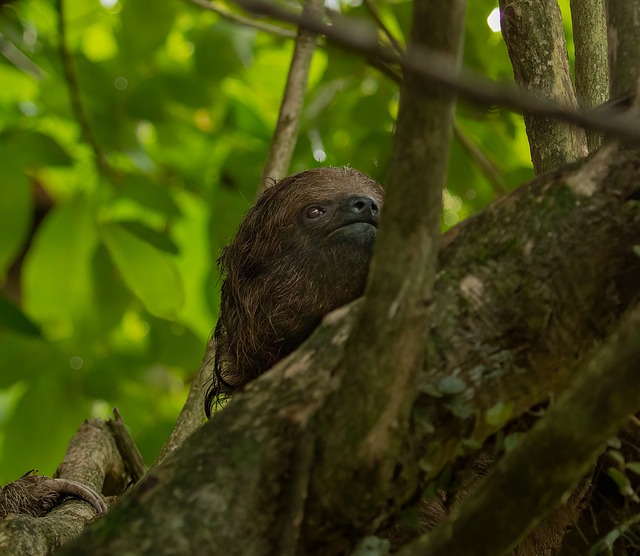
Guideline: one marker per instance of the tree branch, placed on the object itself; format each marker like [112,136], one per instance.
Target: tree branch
[523,297]
[74,94]
[476,154]
[534,36]
[591,64]
[14,55]
[286,133]
[131,456]
[623,28]
[244,21]
[554,456]
[375,14]
[370,412]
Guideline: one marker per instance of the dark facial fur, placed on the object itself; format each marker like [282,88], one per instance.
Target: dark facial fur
[300,252]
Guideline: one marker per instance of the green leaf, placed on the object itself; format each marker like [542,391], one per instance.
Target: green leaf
[633,466]
[499,414]
[605,545]
[621,480]
[148,100]
[149,195]
[513,440]
[12,318]
[372,546]
[32,149]
[23,357]
[155,238]
[459,407]
[56,275]
[16,204]
[209,42]
[34,438]
[150,274]
[142,35]
[111,297]
[175,344]
[616,456]
[451,385]
[11,26]
[422,418]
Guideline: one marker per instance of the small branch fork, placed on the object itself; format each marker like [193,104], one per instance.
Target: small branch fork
[77,107]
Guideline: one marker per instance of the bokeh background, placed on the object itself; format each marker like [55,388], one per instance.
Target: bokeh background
[112,216]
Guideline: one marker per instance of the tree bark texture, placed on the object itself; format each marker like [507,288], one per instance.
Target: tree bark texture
[371,410]
[623,20]
[525,293]
[591,62]
[534,35]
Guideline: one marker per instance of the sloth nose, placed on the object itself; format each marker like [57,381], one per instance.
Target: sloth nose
[361,204]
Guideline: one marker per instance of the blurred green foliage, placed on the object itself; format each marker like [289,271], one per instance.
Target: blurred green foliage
[108,286]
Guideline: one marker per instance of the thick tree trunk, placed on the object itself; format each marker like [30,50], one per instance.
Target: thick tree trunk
[525,292]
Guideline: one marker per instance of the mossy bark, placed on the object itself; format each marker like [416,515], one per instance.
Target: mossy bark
[526,291]
[534,35]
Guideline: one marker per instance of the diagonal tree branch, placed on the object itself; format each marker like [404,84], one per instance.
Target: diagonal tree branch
[563,446]
[372,8]
[242,20]
[76,102]
[286,133]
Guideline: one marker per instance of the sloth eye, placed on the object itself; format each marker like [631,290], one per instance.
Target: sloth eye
[314,211]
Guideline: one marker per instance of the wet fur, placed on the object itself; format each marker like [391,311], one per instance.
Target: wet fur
[280,276]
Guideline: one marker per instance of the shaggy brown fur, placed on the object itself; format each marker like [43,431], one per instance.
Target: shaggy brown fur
[300,252]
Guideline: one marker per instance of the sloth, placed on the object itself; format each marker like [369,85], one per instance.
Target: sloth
[302,250]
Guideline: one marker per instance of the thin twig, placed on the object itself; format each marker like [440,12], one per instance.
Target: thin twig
[192,415]
[474,151]
[286,133]
[480,158]
[12,53]
[242,20]
[74,94]
[433,66]
[375,14]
